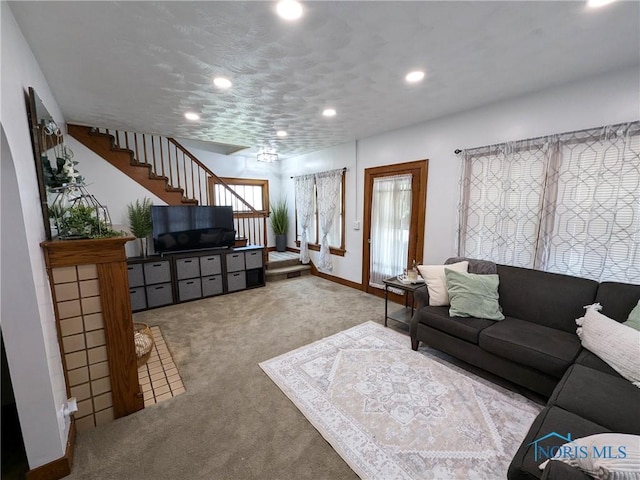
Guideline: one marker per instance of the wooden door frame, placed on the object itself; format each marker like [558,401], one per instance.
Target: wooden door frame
[419,170]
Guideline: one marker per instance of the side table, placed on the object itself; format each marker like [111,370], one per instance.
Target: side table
[404,314]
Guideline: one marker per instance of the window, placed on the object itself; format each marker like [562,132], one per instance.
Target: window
[254,192]
[566,204]
[336,236]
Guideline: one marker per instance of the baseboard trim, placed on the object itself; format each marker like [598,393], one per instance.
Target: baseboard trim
[331,278]
[59,468]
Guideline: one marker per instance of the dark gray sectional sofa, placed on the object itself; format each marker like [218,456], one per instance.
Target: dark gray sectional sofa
[536,346]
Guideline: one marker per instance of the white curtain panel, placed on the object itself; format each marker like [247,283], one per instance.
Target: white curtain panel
[304,204]
[567,203]
[390,222]
[328,190]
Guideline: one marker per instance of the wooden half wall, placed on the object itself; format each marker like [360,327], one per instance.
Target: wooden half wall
[90,289]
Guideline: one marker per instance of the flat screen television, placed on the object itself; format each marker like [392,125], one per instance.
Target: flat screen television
[181,227]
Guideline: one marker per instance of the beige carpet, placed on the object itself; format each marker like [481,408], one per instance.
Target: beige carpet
[232,422]
[393,413]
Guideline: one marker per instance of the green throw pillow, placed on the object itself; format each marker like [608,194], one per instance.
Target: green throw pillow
[634,318]
[473,295]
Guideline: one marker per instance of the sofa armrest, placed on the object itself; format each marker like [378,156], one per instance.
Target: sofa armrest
[421,295]
[556,470]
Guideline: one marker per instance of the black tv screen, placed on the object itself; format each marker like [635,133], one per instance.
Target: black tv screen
[181,227]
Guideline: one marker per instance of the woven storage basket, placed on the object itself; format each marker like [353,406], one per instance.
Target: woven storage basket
[143,340]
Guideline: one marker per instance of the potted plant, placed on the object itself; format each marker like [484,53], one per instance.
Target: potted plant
[140,222]
[280,224]
[81,220]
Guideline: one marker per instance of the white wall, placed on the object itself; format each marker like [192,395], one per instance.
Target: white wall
[111,187]
[28,321]
[603,100]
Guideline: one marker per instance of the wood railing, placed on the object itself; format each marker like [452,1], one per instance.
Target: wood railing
[171,160]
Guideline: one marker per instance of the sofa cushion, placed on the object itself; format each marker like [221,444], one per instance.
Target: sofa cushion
[634,317]
[613,342]
[617,299]
[552,419]
[437,281]
[562,471]
[591,360]
[527,343]
[607,400]
[473,295]
[467,328]
[544,298]
[604,456]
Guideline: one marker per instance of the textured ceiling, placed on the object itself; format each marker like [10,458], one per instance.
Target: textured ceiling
[140,65]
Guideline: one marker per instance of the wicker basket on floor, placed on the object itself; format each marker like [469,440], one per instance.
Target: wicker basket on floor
[143,340]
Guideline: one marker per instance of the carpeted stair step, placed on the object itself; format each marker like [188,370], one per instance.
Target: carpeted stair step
[291,271]
[289,262]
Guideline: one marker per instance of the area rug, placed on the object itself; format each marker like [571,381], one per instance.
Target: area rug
[392,413]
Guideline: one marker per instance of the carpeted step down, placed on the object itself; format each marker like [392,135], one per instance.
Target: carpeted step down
[283,273]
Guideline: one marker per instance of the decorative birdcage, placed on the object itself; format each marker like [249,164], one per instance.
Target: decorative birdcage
[77,214]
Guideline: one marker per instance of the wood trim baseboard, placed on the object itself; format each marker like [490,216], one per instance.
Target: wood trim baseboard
[393,297]
[331,278]
[61,467]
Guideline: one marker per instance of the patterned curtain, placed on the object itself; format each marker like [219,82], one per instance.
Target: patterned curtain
[502,195]
[595,207]
[328,189]
[304,204]
[567,203]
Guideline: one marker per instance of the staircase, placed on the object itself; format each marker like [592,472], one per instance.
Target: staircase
[169,171]
[125,160]
[284,265]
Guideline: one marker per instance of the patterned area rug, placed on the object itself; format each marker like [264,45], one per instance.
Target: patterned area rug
[392,413]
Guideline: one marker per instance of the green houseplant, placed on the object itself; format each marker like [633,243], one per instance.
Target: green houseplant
[280,224]
[81,221]
[140,222]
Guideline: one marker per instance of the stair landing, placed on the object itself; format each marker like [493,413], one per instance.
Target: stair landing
[284,265]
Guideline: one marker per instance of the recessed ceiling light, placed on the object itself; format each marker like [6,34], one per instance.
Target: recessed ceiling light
[414,76]
[191,116]
[281,133]
[289,9]
[222,82]
[598,3]
[329,112]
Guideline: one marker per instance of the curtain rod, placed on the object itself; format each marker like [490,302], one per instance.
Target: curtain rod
[591,131]
[344,169]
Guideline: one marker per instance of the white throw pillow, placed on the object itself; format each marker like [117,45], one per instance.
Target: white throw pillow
[606,456]
[615,343]
[437,281]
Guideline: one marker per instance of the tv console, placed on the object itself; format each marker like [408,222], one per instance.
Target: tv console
[194,250]
[177,277]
